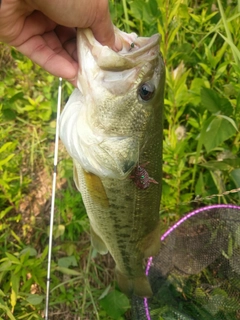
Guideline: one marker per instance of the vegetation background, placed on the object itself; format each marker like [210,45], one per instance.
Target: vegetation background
[200,46]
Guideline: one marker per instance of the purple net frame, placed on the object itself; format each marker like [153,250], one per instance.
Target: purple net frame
[171,229]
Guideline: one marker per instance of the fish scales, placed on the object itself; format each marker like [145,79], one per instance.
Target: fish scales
[109,129]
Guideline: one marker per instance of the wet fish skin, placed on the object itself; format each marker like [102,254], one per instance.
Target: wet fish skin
[109,130]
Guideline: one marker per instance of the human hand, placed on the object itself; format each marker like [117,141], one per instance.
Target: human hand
[45,31]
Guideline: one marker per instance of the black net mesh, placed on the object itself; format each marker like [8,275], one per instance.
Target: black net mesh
[197,272]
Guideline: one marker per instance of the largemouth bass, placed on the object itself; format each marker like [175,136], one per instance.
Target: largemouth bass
[112,128]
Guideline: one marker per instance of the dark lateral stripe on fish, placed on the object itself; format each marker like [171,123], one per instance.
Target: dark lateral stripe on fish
[119,226]
[124,235]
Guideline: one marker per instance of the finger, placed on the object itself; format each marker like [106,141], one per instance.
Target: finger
[67,37]
[103,29]
[61,44]
[55,62]
[36,23]
[92,14]
[48,52]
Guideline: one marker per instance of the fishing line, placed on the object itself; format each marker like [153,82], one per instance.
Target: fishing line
[55,160]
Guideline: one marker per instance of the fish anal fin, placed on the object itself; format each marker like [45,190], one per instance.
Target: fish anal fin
[96,189]
[141,287]
[138,286]
[125,284]
[98,243]
[150,245]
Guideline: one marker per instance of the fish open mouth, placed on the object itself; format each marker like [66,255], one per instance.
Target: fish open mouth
[134,46]
[134,50]
[137,50]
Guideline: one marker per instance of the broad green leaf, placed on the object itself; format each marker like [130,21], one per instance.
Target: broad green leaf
[6,160]
[9,114]
[137,9]
[233,123]
[30,251]
[13,299]
[5,266]
[5,211]
[221,70]
[115,304]
[17,237]
[12,258]
[235,175]
[200,185]
[217,132]
[67,262]
[3,226]
[210,100]
[69,248]
[226,108]
[35,299]
[183,11]
[195,17]
[2,294]
[6,146]
[32,102]
[195,89]
[44,254]
[68,271]
[206,68]
[17,96]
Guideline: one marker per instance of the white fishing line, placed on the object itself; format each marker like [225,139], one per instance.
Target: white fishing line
[53,198]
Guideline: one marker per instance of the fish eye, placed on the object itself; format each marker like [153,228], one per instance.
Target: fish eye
[146,91]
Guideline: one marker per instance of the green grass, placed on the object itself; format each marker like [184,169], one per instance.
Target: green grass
[200,45]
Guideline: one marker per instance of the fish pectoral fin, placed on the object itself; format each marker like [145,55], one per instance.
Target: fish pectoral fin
[98,243]
[96,189]
[142,288]
[138,286]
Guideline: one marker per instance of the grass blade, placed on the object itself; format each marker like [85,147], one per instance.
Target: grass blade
[228,33]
